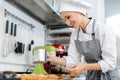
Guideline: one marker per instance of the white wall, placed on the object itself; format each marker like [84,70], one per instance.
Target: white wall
[98,10]
[112,15]
[19,62]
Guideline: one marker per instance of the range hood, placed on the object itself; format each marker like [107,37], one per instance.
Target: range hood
[39,10]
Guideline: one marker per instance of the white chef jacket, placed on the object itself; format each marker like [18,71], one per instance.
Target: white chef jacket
[107,42]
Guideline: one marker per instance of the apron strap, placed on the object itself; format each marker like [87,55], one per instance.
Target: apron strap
[93,26]
[78,33]
[93,34]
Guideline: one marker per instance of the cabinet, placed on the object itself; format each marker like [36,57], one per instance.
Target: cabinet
[58,35]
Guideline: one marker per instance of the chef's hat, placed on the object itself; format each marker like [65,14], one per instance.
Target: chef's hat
[75,5]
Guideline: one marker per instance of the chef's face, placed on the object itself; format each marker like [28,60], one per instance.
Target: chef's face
[71,18]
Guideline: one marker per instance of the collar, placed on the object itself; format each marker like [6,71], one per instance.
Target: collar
[89,26]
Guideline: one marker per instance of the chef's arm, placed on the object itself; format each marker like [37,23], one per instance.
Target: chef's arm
[62,61]
[56,60]
[92,66]
[79,68]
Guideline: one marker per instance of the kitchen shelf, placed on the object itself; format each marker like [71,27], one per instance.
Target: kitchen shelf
[59,36]
[60,31]
[59,39]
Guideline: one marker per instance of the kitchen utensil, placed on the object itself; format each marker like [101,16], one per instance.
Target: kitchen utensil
[29,45]
[60,49]
[11,44]
[58,69]
[15,33]
[41,59]
[19,47]
[5,46]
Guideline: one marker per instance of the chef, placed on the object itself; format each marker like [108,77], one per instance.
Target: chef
[90,39]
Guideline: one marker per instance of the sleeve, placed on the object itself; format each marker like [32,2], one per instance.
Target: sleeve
[108,47]
[73,56]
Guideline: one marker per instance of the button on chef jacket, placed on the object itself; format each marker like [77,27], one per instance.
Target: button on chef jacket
[107,42]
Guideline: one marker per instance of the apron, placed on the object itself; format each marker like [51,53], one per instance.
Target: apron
[92,53]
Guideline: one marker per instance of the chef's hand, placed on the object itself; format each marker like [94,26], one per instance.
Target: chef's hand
[76,69]
[56,60]
[48,57]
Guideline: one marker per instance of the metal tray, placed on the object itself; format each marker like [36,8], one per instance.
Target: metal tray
[77,78]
